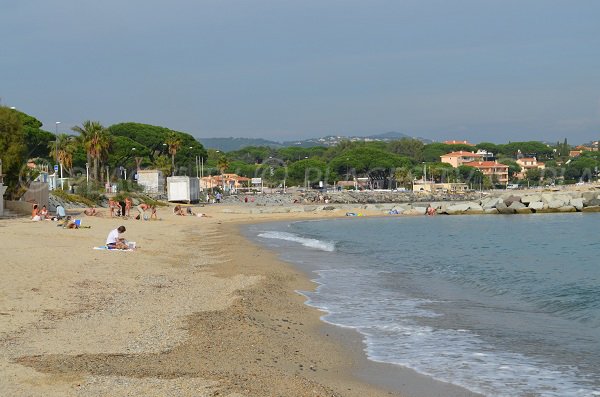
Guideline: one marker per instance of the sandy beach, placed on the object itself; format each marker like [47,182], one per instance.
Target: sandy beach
[196,310]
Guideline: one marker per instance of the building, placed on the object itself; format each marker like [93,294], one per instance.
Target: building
[153,181]
[456,159]
[454,142]
[229,182]
[497,172]
[575,153]
[528,163]
[432,187]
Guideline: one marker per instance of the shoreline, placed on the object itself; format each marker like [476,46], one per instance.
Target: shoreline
[199,309]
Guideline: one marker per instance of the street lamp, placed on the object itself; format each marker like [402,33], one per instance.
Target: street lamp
[56,153]
[56,141]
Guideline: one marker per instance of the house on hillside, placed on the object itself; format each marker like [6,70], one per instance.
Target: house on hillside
[229,182]
[456,159]
[496,171]
[528,163]
[454,142]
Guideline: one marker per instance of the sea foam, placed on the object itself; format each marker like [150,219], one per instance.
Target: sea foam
[307,242]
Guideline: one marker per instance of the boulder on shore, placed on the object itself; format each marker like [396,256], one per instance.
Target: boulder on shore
[512,199]
[524,210]
[536,205]
[592,208]
[529,198]
[490,202]
[517,205]
[416,211]
[504,210]
[577,203]
[567,208]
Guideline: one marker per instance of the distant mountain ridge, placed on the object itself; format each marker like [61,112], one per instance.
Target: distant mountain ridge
[231,143]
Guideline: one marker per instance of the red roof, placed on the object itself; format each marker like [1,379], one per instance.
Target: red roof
[486,164]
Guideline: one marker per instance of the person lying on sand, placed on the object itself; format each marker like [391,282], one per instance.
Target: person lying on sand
[178,210]
[114,239]
[90,211]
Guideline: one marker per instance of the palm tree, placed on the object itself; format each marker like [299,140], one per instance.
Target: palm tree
[222,165]
[62,149]
[173,142]
[96,140]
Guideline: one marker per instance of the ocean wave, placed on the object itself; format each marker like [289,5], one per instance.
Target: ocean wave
[328,246]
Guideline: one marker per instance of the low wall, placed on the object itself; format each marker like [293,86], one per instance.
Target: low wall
[20,207]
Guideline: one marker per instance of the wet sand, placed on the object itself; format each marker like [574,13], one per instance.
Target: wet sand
[197,310]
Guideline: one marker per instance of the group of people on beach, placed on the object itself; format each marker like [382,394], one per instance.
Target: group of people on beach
[123,209]
[179,210]
[42,214]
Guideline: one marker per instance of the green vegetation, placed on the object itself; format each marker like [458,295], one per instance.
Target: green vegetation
[110,153]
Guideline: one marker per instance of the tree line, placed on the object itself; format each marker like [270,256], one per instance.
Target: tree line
[93,149]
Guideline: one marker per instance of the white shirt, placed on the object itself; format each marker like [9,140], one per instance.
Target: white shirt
[113,237]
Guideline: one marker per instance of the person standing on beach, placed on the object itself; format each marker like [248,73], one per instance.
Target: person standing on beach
[112,204]
[141,209]
[114,239]
[128,203]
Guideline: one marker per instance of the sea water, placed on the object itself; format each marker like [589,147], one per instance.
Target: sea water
[501,305]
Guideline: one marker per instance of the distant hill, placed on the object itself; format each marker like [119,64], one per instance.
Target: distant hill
[332,140]
[230,144]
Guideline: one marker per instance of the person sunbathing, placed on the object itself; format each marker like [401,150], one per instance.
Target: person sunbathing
[90,211]
[178,210]
[35,214]
[43,213]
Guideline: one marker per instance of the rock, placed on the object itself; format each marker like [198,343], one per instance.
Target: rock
[592,208]
[490,202]
[567,208]
[536,205]
[456,209]
[516,205]
[416,211]
[587,196]
[555,204]
[329,208]
[528,198]
[592,202]
[547,210]
[474,209]
[503,209]
[577,203]
[490,211]
[524,210]
[512,199]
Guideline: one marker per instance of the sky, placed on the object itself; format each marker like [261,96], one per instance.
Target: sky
[481,70]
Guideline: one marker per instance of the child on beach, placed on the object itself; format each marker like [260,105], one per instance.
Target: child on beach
[114,239]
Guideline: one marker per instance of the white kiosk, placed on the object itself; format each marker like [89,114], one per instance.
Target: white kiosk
[2,191]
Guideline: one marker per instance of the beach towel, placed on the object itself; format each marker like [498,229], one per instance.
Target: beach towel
[105,248]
